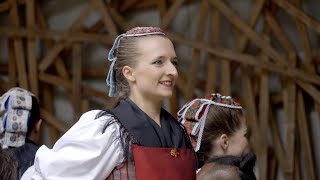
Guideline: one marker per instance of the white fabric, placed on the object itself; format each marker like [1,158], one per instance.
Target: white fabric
[84,152]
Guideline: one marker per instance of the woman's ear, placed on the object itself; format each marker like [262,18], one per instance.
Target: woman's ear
[128,73]
[224,142]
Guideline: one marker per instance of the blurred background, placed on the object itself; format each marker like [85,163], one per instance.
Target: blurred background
[265,53]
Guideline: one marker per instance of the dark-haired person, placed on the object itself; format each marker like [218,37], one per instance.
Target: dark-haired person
[8,166]
[20,130]
[217,127]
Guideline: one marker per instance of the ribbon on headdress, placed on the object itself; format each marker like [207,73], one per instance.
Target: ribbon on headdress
[15,107]
[135,32]
[193,115]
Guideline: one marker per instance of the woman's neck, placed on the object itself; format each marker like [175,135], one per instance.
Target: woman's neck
[150,107]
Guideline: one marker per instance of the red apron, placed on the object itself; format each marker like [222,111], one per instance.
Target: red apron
[164,163]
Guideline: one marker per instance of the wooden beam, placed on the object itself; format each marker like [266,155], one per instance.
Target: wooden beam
[195,62]
[31,46]
[211,70]
[247,30]
[298,14]
[53,121]
[306,144]
[167,18]
[52,55]
[304,41]
[47,93]
[276,140]
[108,22]
[59,64]
[64,36]
[76,81]
[12,67]
[18,47]
[60,82]
[247,59]
[289,94]
[127,5]
[278,32]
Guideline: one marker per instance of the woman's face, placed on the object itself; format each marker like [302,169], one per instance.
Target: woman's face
[238,141]
[155,73]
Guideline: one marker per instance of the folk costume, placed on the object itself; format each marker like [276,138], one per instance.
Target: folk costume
[193,115]
[122,143]
[15,113]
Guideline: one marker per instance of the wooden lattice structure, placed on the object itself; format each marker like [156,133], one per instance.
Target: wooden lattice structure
[257,57]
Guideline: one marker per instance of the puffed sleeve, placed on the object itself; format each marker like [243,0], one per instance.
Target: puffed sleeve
[83,152]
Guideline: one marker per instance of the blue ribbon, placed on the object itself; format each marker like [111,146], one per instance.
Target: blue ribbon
[111,57]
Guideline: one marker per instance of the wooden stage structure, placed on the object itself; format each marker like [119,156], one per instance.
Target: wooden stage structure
[257,57]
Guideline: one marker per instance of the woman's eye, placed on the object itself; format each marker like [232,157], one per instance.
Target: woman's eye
[157,62]
[175,63]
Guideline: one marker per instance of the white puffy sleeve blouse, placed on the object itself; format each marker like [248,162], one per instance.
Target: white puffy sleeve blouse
[83,152]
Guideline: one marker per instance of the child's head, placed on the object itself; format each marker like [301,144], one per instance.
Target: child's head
[20,118]
[216,125]
[218,171]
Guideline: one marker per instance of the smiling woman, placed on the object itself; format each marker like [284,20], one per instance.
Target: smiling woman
[137,139]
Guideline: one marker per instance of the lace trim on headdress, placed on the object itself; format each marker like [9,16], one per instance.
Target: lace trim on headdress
[125,137]
[193,114]
[135,32]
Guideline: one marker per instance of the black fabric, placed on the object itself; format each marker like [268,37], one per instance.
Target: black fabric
[147,132]
[24,155]
[245,164]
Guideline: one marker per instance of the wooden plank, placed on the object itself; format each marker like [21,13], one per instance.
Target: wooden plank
[253,19]
[225,77]
[311,90]
[195,61]
[278,32]
[289,94]
[247,59]
[31,46]
[83,15]
[167,18]
[272,168]
[304,41]
[305,139]
[47,95]
[298,14]
[53,121]
[12,67]
[76,80]
[4,6]
[276,142]
[85,106]
[108,22]
[247,31]
[52,55]
[211,71]
[127,5]
[62,36]
[94,72]
[297,167]
[59,64]
[174,102]
[67,84]
[18,48]
[263,123]
[258,141]
[120,20]
[162,6]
